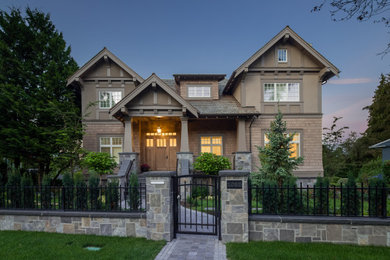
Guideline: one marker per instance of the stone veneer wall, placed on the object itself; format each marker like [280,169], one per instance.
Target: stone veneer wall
[342,230]
[104,224]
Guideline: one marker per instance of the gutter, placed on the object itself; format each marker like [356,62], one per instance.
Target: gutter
[250,134]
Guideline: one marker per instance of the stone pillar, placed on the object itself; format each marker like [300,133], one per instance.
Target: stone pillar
[126,166]
[243,161]
[159,203]
[127,142]
[234,206]
[241,136]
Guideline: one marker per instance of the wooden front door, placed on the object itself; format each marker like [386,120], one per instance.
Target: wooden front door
[160,151]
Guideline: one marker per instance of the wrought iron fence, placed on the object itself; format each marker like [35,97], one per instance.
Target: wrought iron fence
[104,198]
[359,201]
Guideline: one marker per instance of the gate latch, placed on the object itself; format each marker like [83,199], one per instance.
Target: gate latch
[178,196]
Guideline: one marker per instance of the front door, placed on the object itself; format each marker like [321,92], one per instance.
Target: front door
[161,151]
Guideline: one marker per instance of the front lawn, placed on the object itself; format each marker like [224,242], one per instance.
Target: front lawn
[39,245]
[286,250]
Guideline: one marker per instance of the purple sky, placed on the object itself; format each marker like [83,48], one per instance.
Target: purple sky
[211,36]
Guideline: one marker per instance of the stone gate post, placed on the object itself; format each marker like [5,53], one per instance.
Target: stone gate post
[159,203]
[234,206]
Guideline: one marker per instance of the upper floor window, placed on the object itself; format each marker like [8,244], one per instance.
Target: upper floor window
[199,91]
[211,144]
[281,92]
[107,99]
[294,145]
[112,146]
[282,55]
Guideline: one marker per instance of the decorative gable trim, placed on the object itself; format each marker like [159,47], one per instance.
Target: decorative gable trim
[104,53]
[286,33]
[152,81]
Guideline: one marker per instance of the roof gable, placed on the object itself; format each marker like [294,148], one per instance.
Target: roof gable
[153,79]
[101,55]
[286,32]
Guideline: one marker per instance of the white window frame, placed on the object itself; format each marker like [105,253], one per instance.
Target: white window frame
[111,145]
[110,97]
[199,91]
[280,55]
[275,96]
[211,143]
[292,142]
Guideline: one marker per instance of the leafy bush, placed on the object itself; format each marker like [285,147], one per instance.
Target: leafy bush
[376,197]
[321,188]
[93,185]
[102,163]
[46,192]
[386,172]
[27,192]
[134,196]
[370,169]
[270,197]
[290,198]
[81,191]
[112,195]
[199,191]
[67,193]
[192,201]
[211,164]
[351,199]
[13,190]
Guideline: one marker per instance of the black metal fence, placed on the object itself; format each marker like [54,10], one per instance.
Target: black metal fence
[104,198]
[360,201]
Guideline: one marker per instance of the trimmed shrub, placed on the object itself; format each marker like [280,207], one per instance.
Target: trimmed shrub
[14,190]
[199,191]
[321,188]
[67,192]
[351,199]
[370,169]
[134,196]
[377,200]
[101,163]
[93,185]
[81,192]
[290,200]
[46,192]
[112,195]
[211,164]
[27,192]
[270,197]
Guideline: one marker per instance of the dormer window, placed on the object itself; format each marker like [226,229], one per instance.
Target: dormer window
[199,91]
[282,55]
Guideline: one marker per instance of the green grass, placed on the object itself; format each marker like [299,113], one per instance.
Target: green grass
[39,245]
[286,250]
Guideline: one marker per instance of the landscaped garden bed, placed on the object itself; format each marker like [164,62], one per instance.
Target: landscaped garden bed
[39,245]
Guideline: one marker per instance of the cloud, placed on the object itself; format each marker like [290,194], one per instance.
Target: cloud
[350,81]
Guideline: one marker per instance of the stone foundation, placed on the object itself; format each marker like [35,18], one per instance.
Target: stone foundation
[358,231]
[89,223]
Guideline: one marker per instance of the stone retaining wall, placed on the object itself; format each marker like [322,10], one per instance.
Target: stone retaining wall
[359,231]
[104,224]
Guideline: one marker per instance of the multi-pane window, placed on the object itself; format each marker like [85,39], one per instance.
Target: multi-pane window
[199,91]
[282,55]
[112,146]
[211,144]
[107,99]
[295,144]
[281,92]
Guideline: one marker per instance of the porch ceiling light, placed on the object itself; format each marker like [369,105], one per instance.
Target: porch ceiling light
[159,130]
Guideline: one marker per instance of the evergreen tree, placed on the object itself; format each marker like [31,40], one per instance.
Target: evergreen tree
[351,198]
[275,158]
[39,117]
[81,191]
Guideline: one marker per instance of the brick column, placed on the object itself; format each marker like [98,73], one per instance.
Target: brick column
[159,202]
[234,206]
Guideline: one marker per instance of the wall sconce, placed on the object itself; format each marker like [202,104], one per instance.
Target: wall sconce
[159,130]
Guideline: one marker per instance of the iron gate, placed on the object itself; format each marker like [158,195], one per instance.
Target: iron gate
[196,204]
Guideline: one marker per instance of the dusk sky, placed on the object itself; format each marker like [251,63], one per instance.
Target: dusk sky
[210,36]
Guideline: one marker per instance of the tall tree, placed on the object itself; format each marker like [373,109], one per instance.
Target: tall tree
[275,158]
[39,118]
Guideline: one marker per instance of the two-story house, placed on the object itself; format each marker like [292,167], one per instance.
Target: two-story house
[165,123]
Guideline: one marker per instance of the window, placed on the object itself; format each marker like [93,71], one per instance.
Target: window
[112,146]
[295,147]
[282,55]
[211,144]
[281,92]
[199,91]
[107,99]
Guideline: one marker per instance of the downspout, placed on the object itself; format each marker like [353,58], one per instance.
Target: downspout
[250,134]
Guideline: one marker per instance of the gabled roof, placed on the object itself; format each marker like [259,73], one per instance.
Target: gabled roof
[286,31]
[383,144]
[148,82]
[96,58]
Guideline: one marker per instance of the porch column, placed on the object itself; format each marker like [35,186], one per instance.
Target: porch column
[184,147]
[128,145]
[241,136]
[242,158]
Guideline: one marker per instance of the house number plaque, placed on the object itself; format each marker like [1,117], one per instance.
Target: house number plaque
[234,184]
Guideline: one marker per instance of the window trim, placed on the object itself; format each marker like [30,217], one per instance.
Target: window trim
[209,86]
[110,145]
[277,57]
[211,135]
[107,108]
[275,90]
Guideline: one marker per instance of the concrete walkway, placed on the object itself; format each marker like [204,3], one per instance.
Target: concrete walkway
[191,247]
